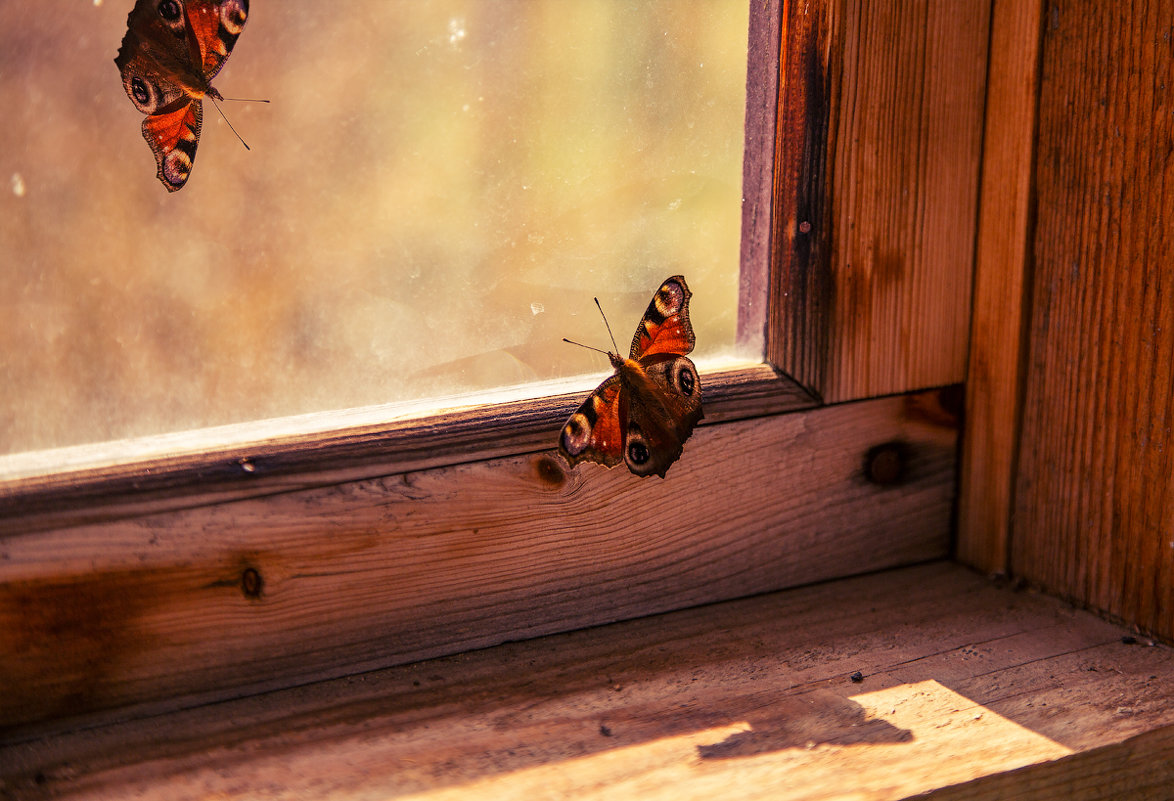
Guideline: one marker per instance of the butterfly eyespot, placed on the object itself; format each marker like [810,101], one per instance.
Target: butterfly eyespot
[638,453]
[171,11]
[142,95]
[177,166]
[576,434]
[669,298]
[233,15]
[686,380]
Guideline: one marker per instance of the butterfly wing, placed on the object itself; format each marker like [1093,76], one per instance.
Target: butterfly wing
[173,136]
[665,327]
[213,28]
[154,59]
[664,405]
[663,388]
[595,432]
[167,60]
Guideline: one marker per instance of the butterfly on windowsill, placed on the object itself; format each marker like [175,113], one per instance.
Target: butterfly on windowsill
[645,411]
[170,54]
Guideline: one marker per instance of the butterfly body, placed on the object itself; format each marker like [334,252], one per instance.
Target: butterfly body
[170,54]
[645,411]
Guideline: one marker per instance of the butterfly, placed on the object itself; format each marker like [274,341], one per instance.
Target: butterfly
[645,411]
[170,54]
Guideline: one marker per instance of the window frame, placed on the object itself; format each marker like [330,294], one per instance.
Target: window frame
[104,481]
[213,555]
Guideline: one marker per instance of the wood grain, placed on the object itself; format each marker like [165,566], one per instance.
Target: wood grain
[801,241]
[877,188]
[994,387]
[1094,505]
[1138,769]
[758,165]
[70,486]
[967,691]
[174,608]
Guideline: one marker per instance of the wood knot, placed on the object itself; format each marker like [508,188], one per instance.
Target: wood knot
[252,585]
[550,472]
[885,464]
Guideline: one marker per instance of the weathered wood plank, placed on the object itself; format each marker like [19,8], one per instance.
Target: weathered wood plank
[1094,505]
[168,609]
[877,192]
[966,691]
[801,230]
[1138,769]
[91,483]
[999,311]
[758,166]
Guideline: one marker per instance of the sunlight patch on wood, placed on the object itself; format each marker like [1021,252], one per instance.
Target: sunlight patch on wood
[902,740]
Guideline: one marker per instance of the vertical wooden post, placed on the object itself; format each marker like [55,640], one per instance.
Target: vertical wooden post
[879,139]
[1001,270]
[802,224]
[762,97]
[1094,491]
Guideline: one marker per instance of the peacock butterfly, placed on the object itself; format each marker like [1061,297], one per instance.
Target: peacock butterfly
[646,410]
[170,54]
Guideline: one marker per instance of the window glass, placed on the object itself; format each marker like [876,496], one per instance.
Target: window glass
[433,195]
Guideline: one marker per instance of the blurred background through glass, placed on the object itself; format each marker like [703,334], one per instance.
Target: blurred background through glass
[433,196]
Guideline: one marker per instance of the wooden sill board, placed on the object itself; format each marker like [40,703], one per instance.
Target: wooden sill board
[178,608]
[968,690]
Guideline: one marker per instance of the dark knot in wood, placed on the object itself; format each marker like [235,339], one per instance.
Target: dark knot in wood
[251,583]
[550,472]
[885,464]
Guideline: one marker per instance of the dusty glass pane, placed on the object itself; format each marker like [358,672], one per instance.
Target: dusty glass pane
[432,197]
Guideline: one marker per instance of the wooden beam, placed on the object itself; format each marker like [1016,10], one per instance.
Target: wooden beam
[1001,272]
[173,608]
[1094,493]
[879,141]
[921,680]
[797,333]
[113,480]
[758,166]
[1140,768]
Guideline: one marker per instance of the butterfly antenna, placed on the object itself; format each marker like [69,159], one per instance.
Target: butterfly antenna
[605,322]
[238,136]
[581,345]
[244,99]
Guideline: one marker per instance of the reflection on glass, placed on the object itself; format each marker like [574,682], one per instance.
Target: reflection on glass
[433,196]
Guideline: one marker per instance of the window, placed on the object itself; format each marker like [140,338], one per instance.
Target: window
[432,197]
[272,552]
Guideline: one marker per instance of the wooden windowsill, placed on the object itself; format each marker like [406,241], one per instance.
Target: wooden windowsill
[111,480]
[964,689]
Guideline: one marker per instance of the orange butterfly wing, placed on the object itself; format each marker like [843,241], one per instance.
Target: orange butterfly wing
[595,432]
[173,136]
[213,28]
[665,327]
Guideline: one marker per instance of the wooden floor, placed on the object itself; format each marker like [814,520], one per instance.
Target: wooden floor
[920,680]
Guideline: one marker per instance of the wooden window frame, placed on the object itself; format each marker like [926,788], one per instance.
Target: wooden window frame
[162,579]
[303,549]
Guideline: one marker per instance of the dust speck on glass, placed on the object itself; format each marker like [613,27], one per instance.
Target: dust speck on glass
[433,195]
